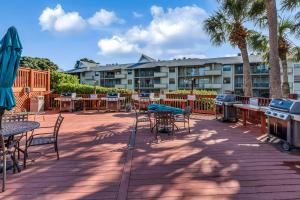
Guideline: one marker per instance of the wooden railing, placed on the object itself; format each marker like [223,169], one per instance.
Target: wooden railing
[36,80]
[30,83]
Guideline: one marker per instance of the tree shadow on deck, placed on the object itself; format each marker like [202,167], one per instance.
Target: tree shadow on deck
[90,166]
[215,161]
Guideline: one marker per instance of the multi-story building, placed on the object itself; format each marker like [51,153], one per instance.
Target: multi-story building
[149,75]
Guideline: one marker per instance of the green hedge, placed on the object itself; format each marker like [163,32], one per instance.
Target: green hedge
[197,92]
[87,89]
[58,78]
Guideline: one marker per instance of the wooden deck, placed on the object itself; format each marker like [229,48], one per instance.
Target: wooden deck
[216,161]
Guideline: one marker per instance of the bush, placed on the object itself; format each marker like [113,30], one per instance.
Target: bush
[87,89]
[197,92]
[58,78]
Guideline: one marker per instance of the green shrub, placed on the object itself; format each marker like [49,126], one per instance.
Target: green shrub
[87,89]
[58,78]
[197,92]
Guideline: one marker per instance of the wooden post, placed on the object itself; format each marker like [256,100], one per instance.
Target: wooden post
[49,80]
[263,123]
[31,83]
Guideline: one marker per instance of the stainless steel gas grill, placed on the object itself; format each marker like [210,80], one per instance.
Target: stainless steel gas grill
[284,122]
[225,111]
[113,101]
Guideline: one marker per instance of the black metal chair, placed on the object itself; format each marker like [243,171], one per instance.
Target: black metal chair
[18,117]
[7,148]
[47,138]
[164,120]
[141,116]
[185,118]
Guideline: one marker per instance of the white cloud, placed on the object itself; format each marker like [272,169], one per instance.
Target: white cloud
[231,55]
[58,20]
[137,14]
[104,18]
[116,44]
[171,32]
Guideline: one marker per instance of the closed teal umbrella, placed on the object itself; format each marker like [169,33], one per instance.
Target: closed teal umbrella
[10,55]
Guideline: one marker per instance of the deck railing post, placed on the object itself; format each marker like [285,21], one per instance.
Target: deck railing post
[48,80]
[31,77]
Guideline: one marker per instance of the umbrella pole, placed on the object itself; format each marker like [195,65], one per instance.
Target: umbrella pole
[1,114]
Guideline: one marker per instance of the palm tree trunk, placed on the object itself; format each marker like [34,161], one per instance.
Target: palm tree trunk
[246,72]
[275,79]
[285,80]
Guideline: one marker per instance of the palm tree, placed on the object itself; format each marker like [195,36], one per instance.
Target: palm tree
[228,23]
[292,5]
[259,42]
[275,79]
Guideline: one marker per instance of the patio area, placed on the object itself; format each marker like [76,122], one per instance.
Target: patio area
[215,161]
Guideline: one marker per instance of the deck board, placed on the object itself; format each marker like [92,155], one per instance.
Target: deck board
[215,161]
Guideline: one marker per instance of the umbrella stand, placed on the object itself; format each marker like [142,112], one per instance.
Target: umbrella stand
[1,114]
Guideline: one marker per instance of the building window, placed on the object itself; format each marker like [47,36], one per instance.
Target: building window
[172,69]
[129,72]
[129,81]
[226,68]
[226,80]
[171,80]
[297,79]
[297,65]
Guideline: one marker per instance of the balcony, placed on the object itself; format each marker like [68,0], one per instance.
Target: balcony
[160,74]
[261,85]
[122,86]
[89,77]
[120,76]
[212,86]
[160,86]
[213,73]
[238,85]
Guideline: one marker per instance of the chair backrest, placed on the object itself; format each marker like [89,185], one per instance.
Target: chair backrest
[2,143]
[164,118]
[188,110]
[15,117]
[58,123]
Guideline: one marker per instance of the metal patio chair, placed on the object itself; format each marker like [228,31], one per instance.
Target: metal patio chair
[185,118]
[47,138]
[164,120]
[141,116]
[18,117]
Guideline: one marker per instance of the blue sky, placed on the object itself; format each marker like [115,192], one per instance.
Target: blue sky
[111,31]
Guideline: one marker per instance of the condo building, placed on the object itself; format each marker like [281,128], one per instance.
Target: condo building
[149,75]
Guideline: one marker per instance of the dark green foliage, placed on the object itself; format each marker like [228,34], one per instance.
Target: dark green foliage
[58,78]
[87,89]
[84,60]
[38,63]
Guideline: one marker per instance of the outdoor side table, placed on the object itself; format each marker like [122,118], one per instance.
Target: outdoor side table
[10,129]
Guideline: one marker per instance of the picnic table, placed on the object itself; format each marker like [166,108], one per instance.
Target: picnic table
[260,110]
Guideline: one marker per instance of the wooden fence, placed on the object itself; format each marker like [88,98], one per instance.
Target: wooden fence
[30,83]
[202,104]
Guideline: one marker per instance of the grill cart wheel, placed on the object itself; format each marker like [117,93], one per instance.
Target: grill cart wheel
[268,139]
[286,146]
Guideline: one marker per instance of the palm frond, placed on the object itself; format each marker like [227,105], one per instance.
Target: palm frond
[290,4]
[215,27]
[295,53]
[258,42]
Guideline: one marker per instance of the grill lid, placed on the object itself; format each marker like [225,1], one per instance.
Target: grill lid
[226,97]
[285,105]
[112,95]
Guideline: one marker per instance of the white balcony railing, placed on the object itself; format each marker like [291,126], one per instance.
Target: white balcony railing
[123,86]
[120,76]
[160,74]
[212,86]
[213,73]
[160,86]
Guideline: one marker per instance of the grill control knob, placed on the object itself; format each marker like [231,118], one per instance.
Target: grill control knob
[281,116]
[275,114]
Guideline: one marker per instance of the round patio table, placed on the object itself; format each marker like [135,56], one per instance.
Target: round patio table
[10,129]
